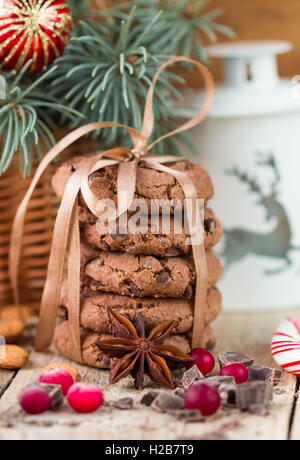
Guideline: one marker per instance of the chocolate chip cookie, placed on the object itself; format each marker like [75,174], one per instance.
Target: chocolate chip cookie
[150,184]
[151,240]
[91,354]
[147,276]
[155,311]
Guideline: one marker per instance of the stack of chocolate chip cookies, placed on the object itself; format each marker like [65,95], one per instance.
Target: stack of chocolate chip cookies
[151,271]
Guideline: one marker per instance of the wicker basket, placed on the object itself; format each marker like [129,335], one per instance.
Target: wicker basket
[37,236]
[38,228]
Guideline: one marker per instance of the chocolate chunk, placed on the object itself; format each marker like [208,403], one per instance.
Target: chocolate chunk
[114,236]
[105,246]
[188,416]
[228,394]
[259,409]
[148,398]
[62,314]
[172,251]
[123,404]
[264,374]
[54,391]
[178,383]
[179,392]
[220,380]
[189,292]
[191,376]
[210,226]
[253,393]
[95,285]
[162,277]
[166,402]
[133,288]
[105,360]
[229,357]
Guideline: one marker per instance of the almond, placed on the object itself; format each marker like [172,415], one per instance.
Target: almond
[12,357]
[71,369]
[12,330]
[17,312]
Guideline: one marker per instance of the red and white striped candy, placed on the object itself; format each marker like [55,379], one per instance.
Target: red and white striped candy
[285,345]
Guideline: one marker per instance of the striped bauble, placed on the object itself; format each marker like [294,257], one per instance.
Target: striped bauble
[285,346]
[36,30]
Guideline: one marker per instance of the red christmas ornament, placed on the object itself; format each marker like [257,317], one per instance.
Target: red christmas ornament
[33,29]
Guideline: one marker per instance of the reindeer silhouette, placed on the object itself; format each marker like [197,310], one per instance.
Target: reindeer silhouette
[277,243]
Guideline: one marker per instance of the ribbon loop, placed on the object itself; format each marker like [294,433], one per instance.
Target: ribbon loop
[66,237]
[148,122]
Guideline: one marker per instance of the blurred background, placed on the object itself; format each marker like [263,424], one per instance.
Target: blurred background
[261,20]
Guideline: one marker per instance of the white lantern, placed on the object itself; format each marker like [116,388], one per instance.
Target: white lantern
[250,144]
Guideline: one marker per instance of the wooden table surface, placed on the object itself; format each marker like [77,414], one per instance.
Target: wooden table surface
[249,334]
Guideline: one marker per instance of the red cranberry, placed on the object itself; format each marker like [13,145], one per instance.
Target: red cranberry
[58,377]
[35,400]
[204,398]
[85,398]
[203,360]
[236,370]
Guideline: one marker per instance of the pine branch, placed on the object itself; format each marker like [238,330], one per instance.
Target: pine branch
[182,26]
[106,82]
[107,69]
[24,122]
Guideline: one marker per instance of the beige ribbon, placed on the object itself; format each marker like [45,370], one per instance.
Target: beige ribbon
[66,236]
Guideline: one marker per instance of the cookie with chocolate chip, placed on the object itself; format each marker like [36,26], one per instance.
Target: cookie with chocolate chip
[91,354]
[153,238]
[150,184]
[94,314]
[147,276]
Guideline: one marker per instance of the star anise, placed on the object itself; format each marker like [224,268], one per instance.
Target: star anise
[138,354]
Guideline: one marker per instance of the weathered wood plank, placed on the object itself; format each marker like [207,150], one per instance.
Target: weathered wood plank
[247,333]
[295,427]
[251,334]
[108,423]
[6,377]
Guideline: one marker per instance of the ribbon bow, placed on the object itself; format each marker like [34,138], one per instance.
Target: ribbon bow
[66,236]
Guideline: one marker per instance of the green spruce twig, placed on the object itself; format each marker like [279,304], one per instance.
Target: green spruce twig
[24,119]
[183,26]
[108,67]
[108,82]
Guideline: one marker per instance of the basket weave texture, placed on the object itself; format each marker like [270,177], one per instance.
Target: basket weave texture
[37,235]
[39,224]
